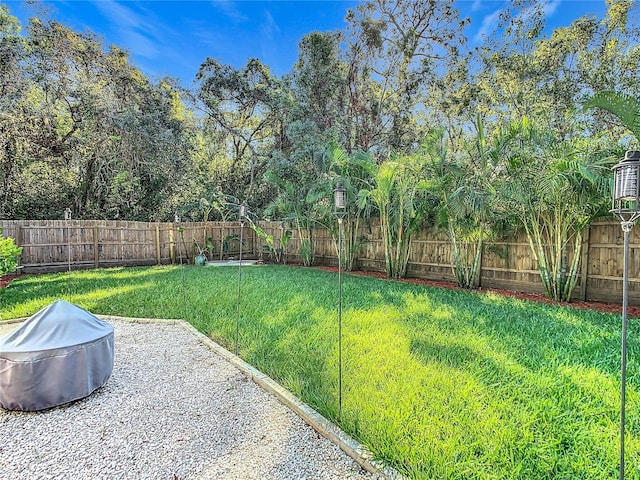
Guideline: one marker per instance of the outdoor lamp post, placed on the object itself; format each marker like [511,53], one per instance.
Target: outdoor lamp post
[242,216]
[340,211]
[626,206]
[67,219]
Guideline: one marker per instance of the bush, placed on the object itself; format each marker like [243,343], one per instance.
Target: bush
[9,254]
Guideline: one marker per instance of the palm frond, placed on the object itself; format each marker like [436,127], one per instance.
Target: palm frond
[625,107]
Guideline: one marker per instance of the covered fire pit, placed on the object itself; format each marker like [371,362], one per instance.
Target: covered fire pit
[60,354]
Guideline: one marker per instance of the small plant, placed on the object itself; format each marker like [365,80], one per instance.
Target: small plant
[204,249]
[9,254]
[276,254]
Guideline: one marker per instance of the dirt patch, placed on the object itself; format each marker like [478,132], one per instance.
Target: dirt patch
[633,311]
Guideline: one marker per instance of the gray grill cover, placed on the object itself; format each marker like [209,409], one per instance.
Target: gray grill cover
[60,354]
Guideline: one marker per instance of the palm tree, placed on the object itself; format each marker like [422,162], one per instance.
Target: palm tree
[461,180]
[555,189]
[354,171]
[398,193]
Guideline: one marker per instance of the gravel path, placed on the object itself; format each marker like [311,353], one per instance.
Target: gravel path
[172,409]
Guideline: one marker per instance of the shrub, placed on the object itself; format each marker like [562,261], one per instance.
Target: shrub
[9,254]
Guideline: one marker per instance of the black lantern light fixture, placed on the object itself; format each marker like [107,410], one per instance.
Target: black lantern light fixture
[243,210]
[626,206]
[340,200]
[340,211]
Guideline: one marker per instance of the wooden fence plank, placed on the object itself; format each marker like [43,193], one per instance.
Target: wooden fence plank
[584,264]
[96,248]
[158,243]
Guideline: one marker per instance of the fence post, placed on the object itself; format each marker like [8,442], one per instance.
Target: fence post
[584,266]
[158,243]
[18,239]
[96,254]
[254,243]
[172,244]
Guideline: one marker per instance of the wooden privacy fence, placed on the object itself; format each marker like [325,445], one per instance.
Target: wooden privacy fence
[509,264]
[49,245]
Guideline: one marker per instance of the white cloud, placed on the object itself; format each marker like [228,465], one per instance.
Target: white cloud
[269,28]
[476,5]
[229,9]
[139,30]
[489,24]
[551,7]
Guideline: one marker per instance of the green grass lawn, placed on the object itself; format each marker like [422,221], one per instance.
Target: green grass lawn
[437,383]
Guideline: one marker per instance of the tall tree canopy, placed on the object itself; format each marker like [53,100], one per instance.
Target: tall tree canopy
[83,128]
[405,43]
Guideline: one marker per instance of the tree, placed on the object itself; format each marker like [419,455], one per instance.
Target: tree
[319,81]
[555,189]
[82,128]
[461,178]
[399,194]
[405,42]
[243,105]
[545,78]
[354,171]
[364,127]
[13,88]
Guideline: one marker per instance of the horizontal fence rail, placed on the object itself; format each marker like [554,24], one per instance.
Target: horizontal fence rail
[51,245]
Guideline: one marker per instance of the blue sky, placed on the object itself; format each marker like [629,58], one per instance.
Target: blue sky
[175,37]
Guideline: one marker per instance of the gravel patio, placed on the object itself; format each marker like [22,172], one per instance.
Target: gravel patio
[172,409]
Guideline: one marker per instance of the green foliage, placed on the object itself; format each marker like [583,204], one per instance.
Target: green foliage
[9,254]
[626,108]
[82,128]
[398,192]
[355,173]
[529,71]
[277,252]
[461,179]
[437,383]
[554,189]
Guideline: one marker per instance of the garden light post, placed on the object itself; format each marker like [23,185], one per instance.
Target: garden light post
[242,215]
[340,211]
[626,206]
[67,219]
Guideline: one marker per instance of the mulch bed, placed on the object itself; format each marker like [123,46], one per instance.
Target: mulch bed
[5,280]
[633,311]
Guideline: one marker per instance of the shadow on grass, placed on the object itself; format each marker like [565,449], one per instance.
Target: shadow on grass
[455,356]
